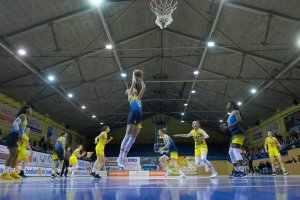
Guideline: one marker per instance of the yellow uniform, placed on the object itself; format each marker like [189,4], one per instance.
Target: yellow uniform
[73,159]
[22,147]
[101,144]
[238,139]
[272,146]
[200,144]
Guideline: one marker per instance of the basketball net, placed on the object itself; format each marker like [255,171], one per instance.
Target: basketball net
[163,10]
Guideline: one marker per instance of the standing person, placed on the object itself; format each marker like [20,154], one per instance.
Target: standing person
[23,146]
[58,154]
[201,149]
[271,147]
[65,167]
[172,151]
[134,117]
[238,136]
[101,141]
[16,133]
[74,159]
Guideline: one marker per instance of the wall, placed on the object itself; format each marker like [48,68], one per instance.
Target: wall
[278,119]
[222,168]
[45,121]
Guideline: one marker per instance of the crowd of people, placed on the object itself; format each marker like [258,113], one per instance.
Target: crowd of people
[290,142]
[43,145]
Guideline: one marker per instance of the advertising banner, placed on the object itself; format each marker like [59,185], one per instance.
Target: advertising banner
[274,127]
[41,164]
[35,126]
[257,135]
[7,114]
[131,163]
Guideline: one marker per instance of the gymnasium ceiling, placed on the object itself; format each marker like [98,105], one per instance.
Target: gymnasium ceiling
[256,46]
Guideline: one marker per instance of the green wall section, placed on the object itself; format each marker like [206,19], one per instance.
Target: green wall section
[43,118]
[174,127]
[279,116]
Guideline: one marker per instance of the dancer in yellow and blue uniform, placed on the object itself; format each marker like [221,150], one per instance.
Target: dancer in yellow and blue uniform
[199,136]
[134,119]
[172,153]
[271,146]
[12,139]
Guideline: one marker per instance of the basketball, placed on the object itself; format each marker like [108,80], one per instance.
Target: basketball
[138,73]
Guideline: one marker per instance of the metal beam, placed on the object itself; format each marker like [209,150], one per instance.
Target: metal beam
[103,20]
[31,69]
[226,77]
[106,76]
[231,49]
[159,81]
[82,56]
[46,23]
[205,50]
[267,84]
[261,11]
[221,94]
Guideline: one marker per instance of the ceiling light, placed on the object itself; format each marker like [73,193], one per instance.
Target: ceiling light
[21,52]
[70,95]
[108,46]
[101,123]
[220,120]
[51,78]
[239,103]
[228,113]
[182,113]
[193,91]
[181,121]
[196,72]
[96,2]
[83,107]
[210,44]
[123,75]
[94,116]
[185,104]
[253,91]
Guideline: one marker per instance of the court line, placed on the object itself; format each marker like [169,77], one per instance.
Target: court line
[169,187]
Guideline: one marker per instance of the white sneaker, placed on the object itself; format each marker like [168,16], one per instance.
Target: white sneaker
[120,163]
[168,173]
[214,176]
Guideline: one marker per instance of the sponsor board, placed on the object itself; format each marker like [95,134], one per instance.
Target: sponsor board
[35,126]
[43,161]
[138,173]
[7,114]
[257,136]
[118,173]
[157,173]
[130,163]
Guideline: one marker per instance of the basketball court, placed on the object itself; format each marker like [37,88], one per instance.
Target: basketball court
[259,187]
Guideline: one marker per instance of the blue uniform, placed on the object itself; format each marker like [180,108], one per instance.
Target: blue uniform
[237,129]
[172,149]
[135,115]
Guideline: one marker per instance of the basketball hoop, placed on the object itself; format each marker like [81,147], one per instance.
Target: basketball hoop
[163,11]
